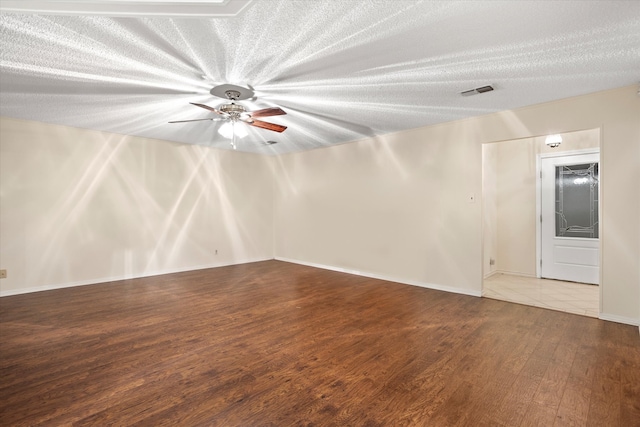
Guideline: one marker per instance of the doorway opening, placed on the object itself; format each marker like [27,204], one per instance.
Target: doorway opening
[511,211]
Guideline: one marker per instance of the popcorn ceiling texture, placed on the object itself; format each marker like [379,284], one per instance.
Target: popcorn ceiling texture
[342,70]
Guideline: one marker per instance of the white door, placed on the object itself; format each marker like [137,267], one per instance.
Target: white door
[569,215]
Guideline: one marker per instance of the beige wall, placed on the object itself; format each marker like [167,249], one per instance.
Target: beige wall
[397,206]
[393,207]
[80,206]
[515,196]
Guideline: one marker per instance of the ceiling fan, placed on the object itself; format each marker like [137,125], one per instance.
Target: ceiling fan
[237,113]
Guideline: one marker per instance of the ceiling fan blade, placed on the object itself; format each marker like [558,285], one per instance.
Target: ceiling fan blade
[194,120]
[266,112]
[264,125]
[206,107]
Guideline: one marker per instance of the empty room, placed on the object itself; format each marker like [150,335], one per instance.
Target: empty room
[319,213]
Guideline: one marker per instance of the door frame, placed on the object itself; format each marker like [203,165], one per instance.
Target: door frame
[539,158]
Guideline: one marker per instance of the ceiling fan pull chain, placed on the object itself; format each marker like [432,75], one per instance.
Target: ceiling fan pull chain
[233,138]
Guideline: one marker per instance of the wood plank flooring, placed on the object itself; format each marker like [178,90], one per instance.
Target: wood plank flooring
[279,344]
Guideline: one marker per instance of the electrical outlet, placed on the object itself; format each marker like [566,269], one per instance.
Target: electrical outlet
[492,261]
[3,274]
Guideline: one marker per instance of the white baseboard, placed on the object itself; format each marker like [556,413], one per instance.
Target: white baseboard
[620,319]
[602,316]
[515,273]
[491,274]
[99,280]
[387,278]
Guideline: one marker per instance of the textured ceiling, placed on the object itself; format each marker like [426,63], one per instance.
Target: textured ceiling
[342,69]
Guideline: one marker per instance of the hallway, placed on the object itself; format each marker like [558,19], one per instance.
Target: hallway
[570,297]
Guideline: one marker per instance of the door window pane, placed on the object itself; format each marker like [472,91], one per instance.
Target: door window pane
[577,201]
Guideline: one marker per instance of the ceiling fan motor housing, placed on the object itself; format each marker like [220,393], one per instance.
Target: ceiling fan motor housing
[233,110]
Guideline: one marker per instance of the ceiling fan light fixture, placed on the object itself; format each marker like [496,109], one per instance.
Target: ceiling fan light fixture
[226,130]
[229,130]
[240,131]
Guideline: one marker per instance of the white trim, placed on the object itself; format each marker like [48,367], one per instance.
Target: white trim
[601,214]
[538,215]
[101,280]
[539,158]
[570,153]
[515,273]
[602,316]
[490,274]
[386,278]
[619,319]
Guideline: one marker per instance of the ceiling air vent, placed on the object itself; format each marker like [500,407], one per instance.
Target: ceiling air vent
[477,90]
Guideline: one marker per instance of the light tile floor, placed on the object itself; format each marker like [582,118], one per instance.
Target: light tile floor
[577,298]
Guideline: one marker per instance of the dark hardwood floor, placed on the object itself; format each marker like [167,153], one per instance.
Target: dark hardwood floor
[278,344]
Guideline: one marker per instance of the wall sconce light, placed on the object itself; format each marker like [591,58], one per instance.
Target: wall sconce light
[553,141]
